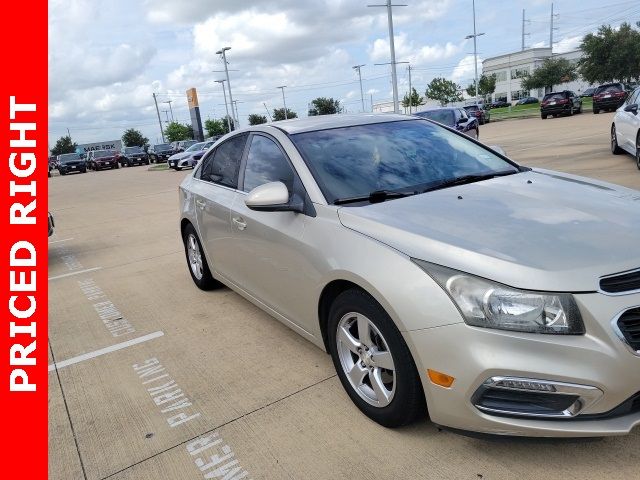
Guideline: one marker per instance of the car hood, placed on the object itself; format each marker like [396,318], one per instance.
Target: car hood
[538,230]
[181,155]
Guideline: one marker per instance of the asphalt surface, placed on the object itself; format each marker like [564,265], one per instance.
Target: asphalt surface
[214,387]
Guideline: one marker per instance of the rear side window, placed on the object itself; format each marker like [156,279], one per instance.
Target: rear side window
[222,167]
[266,163]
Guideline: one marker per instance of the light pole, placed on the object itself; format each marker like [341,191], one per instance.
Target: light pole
[224,60]
[170,109]
[357,68]
[282,87]
[155,100]
[166,112]
[396,106]
[225,102]
[475,48]
[235,102]
[392,48]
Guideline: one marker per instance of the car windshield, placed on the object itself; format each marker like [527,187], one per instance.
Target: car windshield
[553,96]
[187,143]
[401,156]
[443,116]
[472,108]
[133,150]
[68,157]
[103,153]
[195,147]
[609,89]
[162,147]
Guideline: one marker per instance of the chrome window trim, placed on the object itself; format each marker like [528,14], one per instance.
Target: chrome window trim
[618,332]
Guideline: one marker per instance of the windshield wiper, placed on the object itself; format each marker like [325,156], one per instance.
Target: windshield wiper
[463,180]
[377,196]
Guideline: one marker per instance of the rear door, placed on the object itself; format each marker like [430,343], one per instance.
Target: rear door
[214,188]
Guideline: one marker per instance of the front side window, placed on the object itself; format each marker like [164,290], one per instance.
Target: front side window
[411,155]
[222,167]
[266,163]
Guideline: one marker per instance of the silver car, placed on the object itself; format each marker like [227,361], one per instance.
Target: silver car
[436,272]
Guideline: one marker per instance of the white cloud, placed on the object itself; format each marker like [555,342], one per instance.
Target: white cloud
[408,50]
[568,44]
[464,70]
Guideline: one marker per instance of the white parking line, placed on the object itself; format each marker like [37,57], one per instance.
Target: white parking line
[104,351]
[63,240]
[75,273]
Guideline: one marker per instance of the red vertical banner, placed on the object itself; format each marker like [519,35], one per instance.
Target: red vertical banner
[23,239]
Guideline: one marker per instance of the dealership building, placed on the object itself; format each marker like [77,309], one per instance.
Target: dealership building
[511,67]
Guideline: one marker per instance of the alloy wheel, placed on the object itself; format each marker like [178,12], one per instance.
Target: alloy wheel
[366,360]
[195,256]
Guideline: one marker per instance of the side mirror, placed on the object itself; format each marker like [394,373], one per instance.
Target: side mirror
[273,197]
[633,108]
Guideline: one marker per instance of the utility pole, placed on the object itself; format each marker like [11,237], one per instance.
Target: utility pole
[524,22]
[268,113]
[371,100]
[166,112]
[226,107]
[235,102]
[392,48]
[475,48]
[170,109]
[357,67]
[282,87]
[551,29]
[68,132]
[410,92]
[226,69]
[155,100]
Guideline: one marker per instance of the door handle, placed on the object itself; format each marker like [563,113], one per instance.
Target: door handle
[239,223]
[201,204]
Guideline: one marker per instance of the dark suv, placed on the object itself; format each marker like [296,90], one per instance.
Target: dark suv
[99,159]
[454,117]
[160,152]
[133,156]
[479,112]
[560,103]
[608,96]
[70,162]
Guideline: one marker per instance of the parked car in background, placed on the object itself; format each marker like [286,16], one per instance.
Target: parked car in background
[102,159]
[52,224]
[500,103]
[190,157]
[625,130]
[133,156]
[565,102]
[182,145]
[527,101]
[479,112]
[588,92]
[160,152]
[609,97]
[69,163]
[438,274]
[455,118]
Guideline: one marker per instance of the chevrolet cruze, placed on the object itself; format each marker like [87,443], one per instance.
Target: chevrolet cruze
[441,276]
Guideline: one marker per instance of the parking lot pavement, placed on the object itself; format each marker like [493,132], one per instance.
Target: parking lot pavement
[159,380]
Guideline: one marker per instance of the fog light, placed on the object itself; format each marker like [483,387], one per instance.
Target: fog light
[441,379]
[525,385]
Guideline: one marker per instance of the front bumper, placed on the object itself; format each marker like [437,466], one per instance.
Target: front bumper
[472,355]
[556,109]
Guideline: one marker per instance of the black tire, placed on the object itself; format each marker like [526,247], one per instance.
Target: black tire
[177,169]
[146,162]
[596,110]
[543,116]
[615,149]
[408,403]
[84,170]
[207,282]
[571,111]
[638,151]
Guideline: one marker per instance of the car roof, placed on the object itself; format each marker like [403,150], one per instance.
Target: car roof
[325,122]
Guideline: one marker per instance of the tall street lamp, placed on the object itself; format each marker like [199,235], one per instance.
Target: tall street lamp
[224,60]
[282,87]
[475,48]
[225,102]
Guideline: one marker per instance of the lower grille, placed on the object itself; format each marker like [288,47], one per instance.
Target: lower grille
[629,326]
[524,403]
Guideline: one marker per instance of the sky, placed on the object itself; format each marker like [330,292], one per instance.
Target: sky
[107,58]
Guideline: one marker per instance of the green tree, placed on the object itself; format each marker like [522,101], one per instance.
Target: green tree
[64,145]
[215,127]
[611,55]
[414,100]
[443,90]
[486,86]
[278,114]
[553,71]
[134,138]
[256,119]
[324,106]
[178,131]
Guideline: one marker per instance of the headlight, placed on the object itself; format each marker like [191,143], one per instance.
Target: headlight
[488,304]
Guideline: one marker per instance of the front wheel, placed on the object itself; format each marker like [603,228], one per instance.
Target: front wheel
[373,361]
[543,116]
[638,151]
[596,110]
[615,149]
